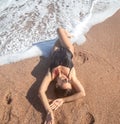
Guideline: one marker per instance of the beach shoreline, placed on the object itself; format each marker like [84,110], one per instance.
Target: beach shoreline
[98,67]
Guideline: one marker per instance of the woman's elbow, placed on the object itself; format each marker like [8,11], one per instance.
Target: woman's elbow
[83,93]
[41,92]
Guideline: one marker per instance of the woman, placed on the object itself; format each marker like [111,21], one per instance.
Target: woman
[63,72]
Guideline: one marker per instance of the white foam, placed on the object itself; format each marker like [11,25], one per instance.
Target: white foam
[92,19]
[24,23]
[4,4]
[42,48]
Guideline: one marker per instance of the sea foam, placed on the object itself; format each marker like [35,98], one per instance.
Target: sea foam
[28,28]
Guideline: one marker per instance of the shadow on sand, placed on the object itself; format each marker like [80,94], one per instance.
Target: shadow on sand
[32,95]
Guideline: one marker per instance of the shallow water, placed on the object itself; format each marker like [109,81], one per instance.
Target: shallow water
[24,24]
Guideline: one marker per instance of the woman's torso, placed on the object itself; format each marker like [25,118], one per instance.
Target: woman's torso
[63,57]
[61,60]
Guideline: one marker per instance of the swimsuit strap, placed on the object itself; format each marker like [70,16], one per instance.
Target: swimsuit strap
[69,72]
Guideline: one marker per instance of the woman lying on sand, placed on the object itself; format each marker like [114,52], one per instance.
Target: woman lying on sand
[62,71]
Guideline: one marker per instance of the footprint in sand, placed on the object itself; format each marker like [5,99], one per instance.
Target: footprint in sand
[7,108]
[89,118]
[9,98]
[78,113]
[86,116]
[81,57]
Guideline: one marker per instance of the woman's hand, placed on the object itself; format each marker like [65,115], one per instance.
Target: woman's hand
[49,118]
[56,104]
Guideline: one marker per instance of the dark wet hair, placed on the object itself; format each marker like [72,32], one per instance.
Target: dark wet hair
[63,92]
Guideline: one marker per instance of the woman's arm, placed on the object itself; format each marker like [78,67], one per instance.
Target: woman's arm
[80,91]
[42,91]
[78,87]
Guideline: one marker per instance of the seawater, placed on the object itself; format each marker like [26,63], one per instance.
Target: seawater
[28,27]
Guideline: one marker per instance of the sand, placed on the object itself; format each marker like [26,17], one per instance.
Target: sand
[97,63]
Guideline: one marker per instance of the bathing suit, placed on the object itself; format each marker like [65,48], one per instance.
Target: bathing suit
[61,56]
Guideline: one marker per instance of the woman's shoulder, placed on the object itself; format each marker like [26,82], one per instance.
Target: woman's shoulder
[73,70]
[72,74]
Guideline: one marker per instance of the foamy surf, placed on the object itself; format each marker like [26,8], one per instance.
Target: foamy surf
[24,25]
[42,48]
[91,19]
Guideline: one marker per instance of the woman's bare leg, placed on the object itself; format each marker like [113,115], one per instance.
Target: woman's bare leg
[56,46]
[65,39]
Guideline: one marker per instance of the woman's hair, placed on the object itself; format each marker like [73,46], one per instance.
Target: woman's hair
[59,92]
[63,92]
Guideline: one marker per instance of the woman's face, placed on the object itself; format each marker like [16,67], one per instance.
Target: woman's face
[62,81]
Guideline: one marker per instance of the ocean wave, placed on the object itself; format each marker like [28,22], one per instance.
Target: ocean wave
[24,23]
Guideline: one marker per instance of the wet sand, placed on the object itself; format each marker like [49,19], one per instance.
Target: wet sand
[97,63]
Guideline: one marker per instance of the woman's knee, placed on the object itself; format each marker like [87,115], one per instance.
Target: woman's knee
[60,30]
